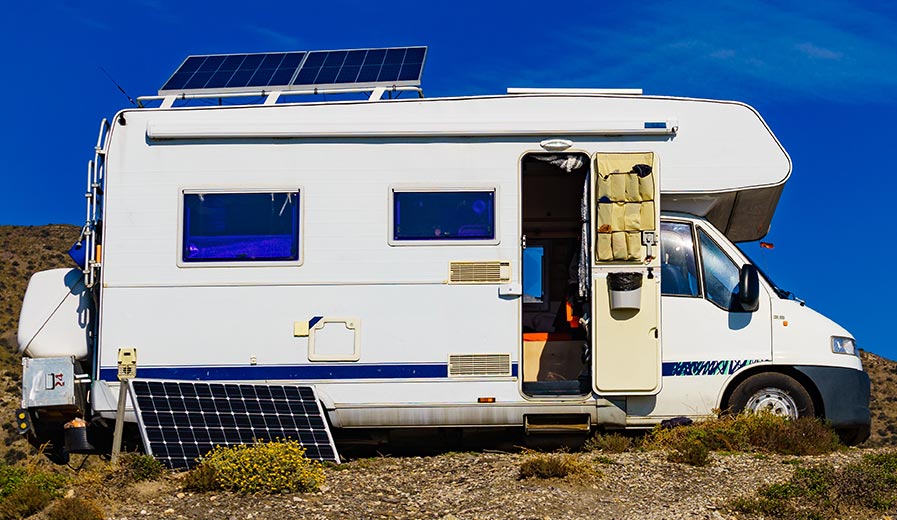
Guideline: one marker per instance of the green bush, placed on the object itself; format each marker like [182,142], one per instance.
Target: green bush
[202,478]
[24,501]
[137,467]
[74,509]
[692,452]
[866,488]
[11,477]
[25,491]
[266,467]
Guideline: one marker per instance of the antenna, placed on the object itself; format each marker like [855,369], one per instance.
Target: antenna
[121,89]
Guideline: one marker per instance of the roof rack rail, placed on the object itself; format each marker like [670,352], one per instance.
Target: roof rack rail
[271,97]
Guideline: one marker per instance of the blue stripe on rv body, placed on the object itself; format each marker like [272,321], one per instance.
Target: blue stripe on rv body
[722,367]
[291,372]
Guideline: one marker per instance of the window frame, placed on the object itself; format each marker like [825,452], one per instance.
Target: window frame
[441,188]
[701,229]
[545,304]
[184,191]
[699,264]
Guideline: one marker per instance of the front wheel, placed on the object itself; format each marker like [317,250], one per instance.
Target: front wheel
[774,393]
[854,435]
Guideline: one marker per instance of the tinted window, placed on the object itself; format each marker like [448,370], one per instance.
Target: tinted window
[443,215]
[720,274]
[678,269]
[238,227]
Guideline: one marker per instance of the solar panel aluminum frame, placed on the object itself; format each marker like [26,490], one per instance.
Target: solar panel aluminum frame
[290,87]
[148,444]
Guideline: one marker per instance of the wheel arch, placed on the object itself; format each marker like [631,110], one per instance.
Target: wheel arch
[806,382]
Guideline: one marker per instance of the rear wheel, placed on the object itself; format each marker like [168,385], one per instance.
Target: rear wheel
[774,393]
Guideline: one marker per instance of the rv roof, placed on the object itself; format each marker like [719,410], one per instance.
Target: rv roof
[356,69]
[578,91]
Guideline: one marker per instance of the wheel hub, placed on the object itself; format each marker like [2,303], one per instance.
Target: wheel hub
[774,401]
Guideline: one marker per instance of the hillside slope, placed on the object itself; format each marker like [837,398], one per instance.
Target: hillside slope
[26,249]
[23,251]
[883,404]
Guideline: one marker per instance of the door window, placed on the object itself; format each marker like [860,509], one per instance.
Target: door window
[678,269]
[720,273]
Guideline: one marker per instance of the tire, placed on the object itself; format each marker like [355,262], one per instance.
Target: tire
[773,392]
[853,435]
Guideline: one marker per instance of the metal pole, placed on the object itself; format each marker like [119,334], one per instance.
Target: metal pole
[119,420]
[127,369]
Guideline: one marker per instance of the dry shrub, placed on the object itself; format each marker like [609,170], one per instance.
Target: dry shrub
[74,509]
[553,465]
[608,442]
[751,432]
[804,436]
[98,481]
[24,501]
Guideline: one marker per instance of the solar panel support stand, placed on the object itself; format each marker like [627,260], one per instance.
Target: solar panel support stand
[127,369]
[119,421]
[272,97]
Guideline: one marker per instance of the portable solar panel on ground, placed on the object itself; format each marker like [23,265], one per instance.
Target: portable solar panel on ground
[181,421]
[364,68]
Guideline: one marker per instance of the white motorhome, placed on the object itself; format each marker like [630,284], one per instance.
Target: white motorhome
[552,260]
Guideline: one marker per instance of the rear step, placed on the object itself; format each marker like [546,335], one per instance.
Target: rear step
[556,423]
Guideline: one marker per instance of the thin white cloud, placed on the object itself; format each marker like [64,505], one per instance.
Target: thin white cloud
[280,41]
[84,15]
[818,52]
[827,49]
[158,9]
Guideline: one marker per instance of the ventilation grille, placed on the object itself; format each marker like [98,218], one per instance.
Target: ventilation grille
[479,272]
[479,365]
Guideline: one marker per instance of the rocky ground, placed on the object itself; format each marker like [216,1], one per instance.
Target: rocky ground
[461,486]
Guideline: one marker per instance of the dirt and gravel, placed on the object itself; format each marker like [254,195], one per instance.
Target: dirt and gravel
[462,486]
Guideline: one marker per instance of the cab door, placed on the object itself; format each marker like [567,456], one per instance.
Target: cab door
[706,336]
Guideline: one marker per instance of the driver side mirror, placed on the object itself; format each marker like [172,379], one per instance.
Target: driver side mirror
[748,288]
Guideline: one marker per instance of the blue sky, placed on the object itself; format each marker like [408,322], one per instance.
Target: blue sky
[822,73]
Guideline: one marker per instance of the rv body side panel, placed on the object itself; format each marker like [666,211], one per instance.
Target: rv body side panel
[243,322]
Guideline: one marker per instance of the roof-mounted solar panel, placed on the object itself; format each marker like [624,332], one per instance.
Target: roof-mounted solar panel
[299,70]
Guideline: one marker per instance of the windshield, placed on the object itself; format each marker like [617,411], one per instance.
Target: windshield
[781,293]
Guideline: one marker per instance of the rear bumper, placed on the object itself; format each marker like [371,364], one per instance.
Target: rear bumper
[845,395]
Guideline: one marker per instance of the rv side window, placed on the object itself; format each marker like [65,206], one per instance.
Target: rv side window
[720,273]
[240,227]
[678,269]
[443,215]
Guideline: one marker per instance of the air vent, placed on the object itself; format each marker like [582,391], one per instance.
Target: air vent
[479,365]
[479,272]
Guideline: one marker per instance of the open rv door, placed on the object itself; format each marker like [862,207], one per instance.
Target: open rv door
[626,275]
